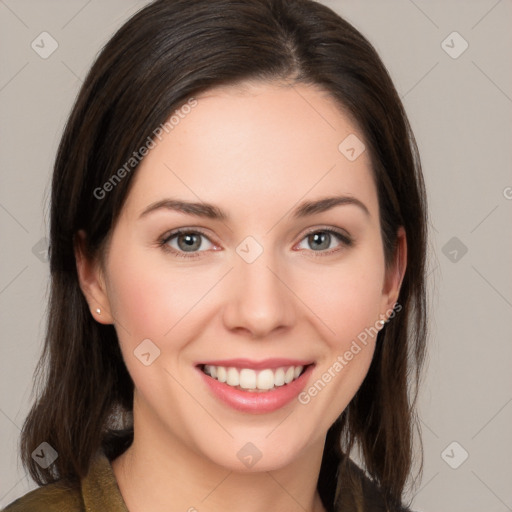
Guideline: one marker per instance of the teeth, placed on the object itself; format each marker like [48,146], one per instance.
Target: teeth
[265,379]
[221,373]
[279,377]
[253,380]
[247,378]
[233,377]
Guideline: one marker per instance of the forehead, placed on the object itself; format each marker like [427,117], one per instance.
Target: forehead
[253,146]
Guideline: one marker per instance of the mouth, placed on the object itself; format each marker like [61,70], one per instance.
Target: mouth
[255,387]
[254,380]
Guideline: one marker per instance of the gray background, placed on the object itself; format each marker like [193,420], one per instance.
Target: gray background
[460,109]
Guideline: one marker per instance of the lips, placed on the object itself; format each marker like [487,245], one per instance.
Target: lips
[256,386]
[257,365]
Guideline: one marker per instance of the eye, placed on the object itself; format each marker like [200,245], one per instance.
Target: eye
[185,243]
[324,240]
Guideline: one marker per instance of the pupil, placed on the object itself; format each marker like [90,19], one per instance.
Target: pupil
[320,240]
[190,242]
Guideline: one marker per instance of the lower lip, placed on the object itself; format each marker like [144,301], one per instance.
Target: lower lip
[257,402]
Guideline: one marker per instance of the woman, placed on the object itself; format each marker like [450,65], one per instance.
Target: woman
[238,238]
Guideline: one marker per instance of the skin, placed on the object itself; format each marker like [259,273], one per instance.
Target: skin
[255,150]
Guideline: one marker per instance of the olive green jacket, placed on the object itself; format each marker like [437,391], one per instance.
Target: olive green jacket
[99,492]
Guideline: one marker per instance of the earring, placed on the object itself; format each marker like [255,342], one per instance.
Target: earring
[381,323]
[98,310]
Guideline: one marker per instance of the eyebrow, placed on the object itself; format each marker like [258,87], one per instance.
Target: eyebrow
[210,211]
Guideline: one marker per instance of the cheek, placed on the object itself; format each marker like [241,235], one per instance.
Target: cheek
[149,302]
[346,297]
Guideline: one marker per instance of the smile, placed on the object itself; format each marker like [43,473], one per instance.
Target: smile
[255,387]
[249,379]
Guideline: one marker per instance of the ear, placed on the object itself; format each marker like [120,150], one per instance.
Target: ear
[91,280]
[394,275]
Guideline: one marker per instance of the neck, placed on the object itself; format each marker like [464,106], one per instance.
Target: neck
[159,473]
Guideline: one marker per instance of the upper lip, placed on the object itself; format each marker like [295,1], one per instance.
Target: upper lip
[257,365]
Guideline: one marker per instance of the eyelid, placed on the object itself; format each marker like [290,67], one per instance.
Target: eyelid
[329,229]
[186,230]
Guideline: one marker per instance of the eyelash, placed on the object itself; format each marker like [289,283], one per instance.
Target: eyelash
[162,242]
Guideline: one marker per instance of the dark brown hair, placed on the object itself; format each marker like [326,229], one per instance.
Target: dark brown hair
[168,52]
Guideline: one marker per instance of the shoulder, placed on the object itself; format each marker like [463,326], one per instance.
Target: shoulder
[96,492]
[55,497]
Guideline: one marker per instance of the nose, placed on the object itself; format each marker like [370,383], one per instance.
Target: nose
[260,301]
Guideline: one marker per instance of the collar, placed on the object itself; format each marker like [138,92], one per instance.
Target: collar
[100,491]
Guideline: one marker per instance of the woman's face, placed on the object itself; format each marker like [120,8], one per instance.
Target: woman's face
[292,275]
